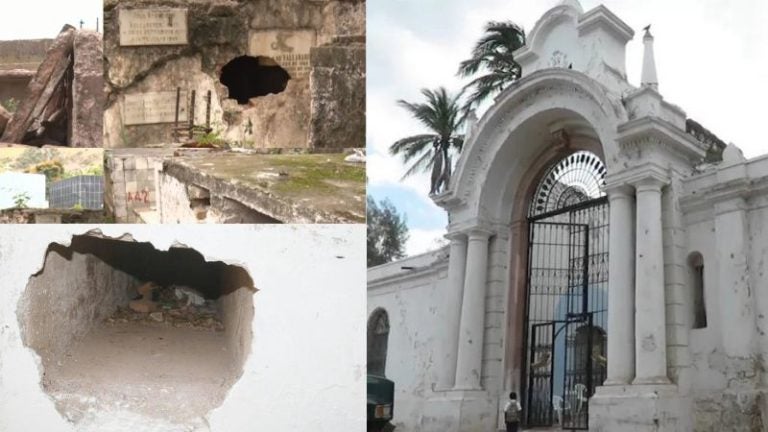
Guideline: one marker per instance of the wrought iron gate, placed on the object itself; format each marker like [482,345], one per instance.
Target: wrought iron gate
[567,295]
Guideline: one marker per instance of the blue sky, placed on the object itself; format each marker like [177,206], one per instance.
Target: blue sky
[710,55]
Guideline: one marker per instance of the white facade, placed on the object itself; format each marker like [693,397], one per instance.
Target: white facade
[291,374]
[457,315]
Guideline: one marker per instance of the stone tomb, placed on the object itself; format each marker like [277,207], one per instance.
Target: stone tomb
[289,48]
[156,26]
[153,108]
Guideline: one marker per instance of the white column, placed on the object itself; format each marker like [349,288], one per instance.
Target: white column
[457,262]
[470,349]
[650,304]
[735,300]
[621,287]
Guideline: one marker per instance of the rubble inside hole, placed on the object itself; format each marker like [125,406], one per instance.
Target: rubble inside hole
[174,306]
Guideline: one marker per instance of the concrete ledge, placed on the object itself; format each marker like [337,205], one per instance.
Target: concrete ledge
[290,189]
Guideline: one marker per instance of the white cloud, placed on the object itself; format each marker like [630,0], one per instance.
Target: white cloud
[709,59]
[35,19]
[424,240]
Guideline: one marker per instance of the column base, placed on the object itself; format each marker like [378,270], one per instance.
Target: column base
[459,410]
[616,382]
[657,380]
[639,408]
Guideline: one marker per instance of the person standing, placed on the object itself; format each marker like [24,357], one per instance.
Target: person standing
[512,413]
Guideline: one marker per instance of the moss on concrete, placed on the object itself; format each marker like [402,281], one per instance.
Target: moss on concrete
[319,183]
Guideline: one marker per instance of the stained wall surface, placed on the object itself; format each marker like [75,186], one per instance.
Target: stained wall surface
[290,367]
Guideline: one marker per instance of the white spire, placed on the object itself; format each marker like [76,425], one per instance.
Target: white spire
[649,78]
[572,3]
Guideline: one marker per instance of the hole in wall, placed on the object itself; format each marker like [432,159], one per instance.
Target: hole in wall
[120,324]
[247,77]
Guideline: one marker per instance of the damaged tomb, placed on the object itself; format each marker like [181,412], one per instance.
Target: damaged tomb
[52,91]
[194,186]
[235,111]
[119,323]
[255,74]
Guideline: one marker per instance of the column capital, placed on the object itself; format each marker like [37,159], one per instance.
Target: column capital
[480,233]
[650,182]
[619,190]
[456,236]
[473,232]
[648,173]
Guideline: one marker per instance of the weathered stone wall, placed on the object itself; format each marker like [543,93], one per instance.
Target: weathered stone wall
[19,60]
[337,86]
[185,202]
[71,295]
[725,213]
[23,54]
[131,183]
[88,96]
[218,32]
[13,85]
[417,336]
[50,216]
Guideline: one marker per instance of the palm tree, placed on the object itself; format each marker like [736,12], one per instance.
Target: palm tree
[442,115]
[493,53]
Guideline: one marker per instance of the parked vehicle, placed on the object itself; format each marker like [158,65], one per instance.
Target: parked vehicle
[381,403]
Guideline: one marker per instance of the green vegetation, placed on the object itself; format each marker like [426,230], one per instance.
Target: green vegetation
[492,68]
[21,200]
[212,138]
[305,172]
[93,170]
[441,115]
[10,104]
[387,232]
[492,55]
[52,169]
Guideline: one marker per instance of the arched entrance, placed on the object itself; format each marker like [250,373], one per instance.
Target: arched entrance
[378,336]
[566,293]
[546,117]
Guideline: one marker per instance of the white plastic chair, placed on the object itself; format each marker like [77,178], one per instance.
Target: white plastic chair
[557,406]
[579,397]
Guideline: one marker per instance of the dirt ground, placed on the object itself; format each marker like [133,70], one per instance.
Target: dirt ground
[176,374]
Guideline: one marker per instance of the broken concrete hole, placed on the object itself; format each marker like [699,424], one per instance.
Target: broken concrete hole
[120,325]
[247,77]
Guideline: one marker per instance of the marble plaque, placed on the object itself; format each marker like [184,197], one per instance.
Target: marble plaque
[156,26]
[153,108]
[289,48]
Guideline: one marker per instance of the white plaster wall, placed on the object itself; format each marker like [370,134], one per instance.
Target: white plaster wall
[57,310]
[705,342]
[306,363]
[758,265]
[725,385]
[416,335]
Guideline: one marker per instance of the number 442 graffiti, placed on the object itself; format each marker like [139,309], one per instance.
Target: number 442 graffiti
[139,196]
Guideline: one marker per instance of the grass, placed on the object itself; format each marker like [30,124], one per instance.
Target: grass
[306,173]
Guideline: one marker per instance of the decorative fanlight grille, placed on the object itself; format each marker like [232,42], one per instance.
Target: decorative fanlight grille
[577,178]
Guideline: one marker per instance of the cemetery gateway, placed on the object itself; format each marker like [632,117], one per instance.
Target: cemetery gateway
[607,259]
